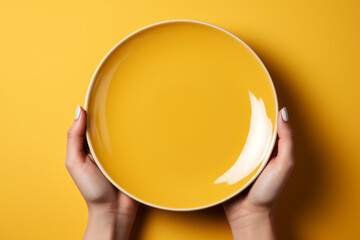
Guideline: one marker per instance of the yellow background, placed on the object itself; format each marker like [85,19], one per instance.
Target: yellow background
[50,49]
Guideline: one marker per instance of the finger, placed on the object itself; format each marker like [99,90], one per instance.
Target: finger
[285,143]
[75,136]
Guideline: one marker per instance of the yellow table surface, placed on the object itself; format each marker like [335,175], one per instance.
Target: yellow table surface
[50,49]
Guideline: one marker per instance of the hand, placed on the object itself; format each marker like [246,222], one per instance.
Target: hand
[249,213]
[111,212]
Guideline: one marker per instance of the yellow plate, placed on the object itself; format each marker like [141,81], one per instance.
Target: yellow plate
[181,115]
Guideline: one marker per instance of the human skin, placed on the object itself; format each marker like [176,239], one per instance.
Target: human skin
[250,213]
[111,213]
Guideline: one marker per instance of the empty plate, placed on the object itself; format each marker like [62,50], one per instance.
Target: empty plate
[181,115]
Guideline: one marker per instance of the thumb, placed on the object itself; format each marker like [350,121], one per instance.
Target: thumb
[285,144]
[75,135]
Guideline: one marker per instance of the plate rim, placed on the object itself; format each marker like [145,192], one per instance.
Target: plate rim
[91,85]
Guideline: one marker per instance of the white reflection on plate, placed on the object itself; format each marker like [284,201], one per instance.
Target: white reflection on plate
[256,145]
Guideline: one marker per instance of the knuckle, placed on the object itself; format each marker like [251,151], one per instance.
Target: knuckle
[288,163]
[291,163]
[67,164]
[289,134]
[69,133]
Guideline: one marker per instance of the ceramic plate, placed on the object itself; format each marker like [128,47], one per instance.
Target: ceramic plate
[181,115]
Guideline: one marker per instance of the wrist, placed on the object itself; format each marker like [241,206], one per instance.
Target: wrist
[253,225]
[100,225]
[245,217]
[105,222]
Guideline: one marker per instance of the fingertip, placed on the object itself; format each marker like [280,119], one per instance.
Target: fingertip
[285,133]
[284,114]
[76,132]
[284,128]
[80,118]
[77,112]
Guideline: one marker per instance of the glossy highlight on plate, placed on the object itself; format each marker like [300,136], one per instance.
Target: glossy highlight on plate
[257,142]
[181,115]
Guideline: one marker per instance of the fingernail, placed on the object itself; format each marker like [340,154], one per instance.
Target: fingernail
[284,114]
[77,112]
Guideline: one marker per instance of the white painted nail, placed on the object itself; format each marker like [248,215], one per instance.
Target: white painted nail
[77,112]
[284,114]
